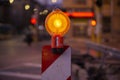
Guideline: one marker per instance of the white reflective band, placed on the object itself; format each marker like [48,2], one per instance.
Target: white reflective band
[60,69]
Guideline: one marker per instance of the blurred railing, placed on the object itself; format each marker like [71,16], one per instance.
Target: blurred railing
[103,49]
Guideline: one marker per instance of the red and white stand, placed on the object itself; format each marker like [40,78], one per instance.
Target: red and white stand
[56,66]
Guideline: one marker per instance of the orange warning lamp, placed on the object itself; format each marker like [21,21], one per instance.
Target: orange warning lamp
[93,23]
[57,24]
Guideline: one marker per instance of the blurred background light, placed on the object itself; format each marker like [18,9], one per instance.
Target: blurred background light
[27,7]
[45,11]
[54,1]
[35,9]
[40,13]
[11,1]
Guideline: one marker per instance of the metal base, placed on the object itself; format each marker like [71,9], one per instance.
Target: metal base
[58,50]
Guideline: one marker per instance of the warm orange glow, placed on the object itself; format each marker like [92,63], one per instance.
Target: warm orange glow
[57,23]
[66,13]
[80,14]
[93,23]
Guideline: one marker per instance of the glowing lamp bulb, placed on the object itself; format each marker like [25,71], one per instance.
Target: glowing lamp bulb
[57,23]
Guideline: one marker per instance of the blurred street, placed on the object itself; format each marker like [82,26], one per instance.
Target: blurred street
[90,27]
[17,57]
[18,61]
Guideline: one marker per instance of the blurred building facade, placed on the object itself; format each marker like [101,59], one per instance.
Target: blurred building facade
[109,10]
[77,3]
[15,13]
[4,10]
[79,25]
[115,17]
[111,17]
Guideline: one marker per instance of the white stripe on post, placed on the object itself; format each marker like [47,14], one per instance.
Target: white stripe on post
[60,69]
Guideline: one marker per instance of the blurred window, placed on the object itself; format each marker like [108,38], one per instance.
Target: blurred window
[106,24]
[107,1]
[80,1]
[6,31]
[118,3]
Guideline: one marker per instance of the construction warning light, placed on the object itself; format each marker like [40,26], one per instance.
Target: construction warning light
[33,21]
[93,22]
[57,23]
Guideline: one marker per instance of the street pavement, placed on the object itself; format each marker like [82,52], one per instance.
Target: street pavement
[18,61]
